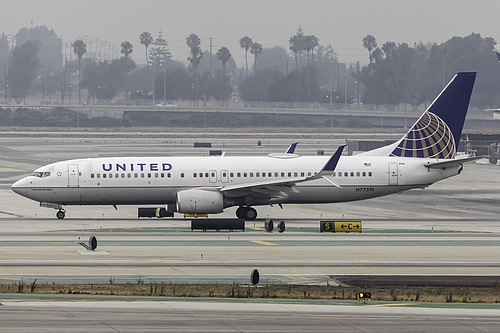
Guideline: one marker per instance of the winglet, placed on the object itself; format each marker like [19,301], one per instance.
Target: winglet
[291,149]
[498,54]
[332,162]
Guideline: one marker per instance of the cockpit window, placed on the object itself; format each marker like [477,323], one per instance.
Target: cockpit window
[40,174]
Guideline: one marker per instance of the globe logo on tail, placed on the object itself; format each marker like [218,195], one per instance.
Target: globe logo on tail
[430,137]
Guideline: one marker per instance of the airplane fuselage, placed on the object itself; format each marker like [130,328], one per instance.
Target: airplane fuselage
[156,180]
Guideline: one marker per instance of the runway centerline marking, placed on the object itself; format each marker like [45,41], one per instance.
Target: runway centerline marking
[263,243]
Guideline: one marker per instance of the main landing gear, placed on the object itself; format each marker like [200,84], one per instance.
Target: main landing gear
[246,213]
[61,214]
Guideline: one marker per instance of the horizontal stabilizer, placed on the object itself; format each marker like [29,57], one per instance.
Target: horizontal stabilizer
[449,163]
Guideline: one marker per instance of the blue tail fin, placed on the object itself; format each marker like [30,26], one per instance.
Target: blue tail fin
[437,132]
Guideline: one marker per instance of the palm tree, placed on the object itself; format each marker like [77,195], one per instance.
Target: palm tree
[369,43]
[193,42]
[127,48]
[223,55]
[146,39]
[79,48]
[310,42]
[255,49]
[245,43]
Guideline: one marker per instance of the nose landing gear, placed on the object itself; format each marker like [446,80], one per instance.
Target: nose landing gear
[61,214]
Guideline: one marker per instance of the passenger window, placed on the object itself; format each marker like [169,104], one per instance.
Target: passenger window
[156,175]
[346,174]
[257,174]
[182,175]
[149,175]
[369,174]
[201,174]
[251,174]
[129,175]
[275,174]
[91,175]
[142,175]
[162,175]
[289,174]
[195,174]
[231,174]
[309,174]
[123,175]
[340,174]
[352,174]
[136,175]
[169,175]
[103,175]
[206,174]
[282,174]
[295,174]
[333,174]
[364,174]
[358,174]
[117,175]
[244,174]
[269,174]
[301,174]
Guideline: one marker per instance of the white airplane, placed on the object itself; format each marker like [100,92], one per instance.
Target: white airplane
[209,184]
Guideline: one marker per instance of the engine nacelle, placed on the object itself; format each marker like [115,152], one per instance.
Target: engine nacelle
[200,202]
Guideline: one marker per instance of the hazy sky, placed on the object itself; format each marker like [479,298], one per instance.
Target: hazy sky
[343,23]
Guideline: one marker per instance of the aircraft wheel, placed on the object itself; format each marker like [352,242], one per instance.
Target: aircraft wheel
[240,212]
[250,214]
[60,214]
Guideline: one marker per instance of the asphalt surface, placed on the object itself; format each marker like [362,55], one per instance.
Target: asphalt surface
[448,234]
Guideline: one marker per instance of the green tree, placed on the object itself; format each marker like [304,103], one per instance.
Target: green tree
[297,46]
[79,48]
[255,49]
[146,39]
[369,43]
[22,69]
[103,80]
[159,54]
[223,54]
[245,43]
[126,48]
[310,42]
[127,64]
[49,48]
[193,42]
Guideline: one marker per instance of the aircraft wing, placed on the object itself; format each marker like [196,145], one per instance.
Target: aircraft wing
[327,169]
[449,163]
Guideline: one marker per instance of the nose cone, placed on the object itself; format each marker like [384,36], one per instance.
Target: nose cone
[20,187]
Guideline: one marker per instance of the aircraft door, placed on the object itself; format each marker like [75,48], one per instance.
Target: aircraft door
[213,176]
[73,175]
[393,174]
[224,176]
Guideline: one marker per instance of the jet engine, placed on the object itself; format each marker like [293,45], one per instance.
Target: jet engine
[198,201]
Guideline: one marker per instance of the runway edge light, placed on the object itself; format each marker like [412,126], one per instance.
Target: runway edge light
[364,296]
